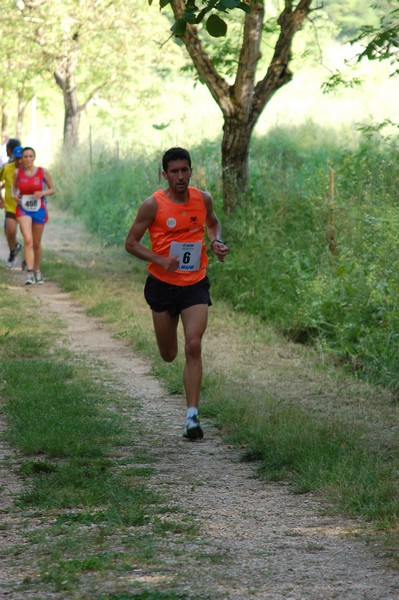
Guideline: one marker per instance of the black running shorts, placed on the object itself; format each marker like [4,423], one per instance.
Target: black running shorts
[163,296]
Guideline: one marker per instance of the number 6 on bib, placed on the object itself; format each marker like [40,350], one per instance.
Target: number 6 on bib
[189,254]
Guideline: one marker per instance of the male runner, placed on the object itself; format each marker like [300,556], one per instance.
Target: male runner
[14,152]
[177,285]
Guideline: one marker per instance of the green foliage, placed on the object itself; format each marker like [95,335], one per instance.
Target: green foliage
[280,267]
[338,80]
[350,15]
[215,25]
[113,189]
[382,41]
[285,271]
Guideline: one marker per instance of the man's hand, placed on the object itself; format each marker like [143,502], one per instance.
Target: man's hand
[219,249]
[171,263]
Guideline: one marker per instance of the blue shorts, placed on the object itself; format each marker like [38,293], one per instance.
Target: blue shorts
[40,216]
[163,296]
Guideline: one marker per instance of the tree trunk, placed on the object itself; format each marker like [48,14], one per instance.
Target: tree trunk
[243,102]
[235,148]
[65,79]
[4,119]
[20,114]
[71,126]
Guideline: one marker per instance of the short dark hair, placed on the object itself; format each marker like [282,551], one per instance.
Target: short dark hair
[175,154]
[29,148]
[13,143]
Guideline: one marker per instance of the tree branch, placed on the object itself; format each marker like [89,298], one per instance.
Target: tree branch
[278,73]
[244,84]
[218,87]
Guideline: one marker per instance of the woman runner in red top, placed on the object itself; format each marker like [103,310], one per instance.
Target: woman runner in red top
[32,185]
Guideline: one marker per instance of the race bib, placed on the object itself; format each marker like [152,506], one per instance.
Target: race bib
[30,203]
[189,254]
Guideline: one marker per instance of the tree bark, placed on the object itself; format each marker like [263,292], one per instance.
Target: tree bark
[65,79]
[243,102]
[20,114]
[3,118]
[22,104]
[235,149]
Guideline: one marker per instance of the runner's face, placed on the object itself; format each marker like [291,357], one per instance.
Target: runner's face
[178,176]
[28,158]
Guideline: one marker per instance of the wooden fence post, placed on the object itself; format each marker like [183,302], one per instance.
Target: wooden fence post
[331,235]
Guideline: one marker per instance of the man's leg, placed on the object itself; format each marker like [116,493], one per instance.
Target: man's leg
[195,320]
[11,232]
[165,327]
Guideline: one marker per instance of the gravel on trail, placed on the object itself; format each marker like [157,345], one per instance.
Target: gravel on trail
[275,545]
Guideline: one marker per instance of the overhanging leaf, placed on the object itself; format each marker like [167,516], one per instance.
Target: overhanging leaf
[215,26]
[245,7]
[179,27]
[189,17]
[229,3]
[207,8]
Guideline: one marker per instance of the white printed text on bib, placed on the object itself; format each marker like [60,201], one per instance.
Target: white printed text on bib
[189,254]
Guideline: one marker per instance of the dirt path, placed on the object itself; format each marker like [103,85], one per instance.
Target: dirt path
[277,545]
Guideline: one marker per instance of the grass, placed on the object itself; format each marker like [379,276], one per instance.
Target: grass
[87,507]
[288,408]
[331,455]
[281,268]
[345,448]
[64,419]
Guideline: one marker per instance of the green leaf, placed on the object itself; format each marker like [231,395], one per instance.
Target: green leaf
[163,3]
[189,17]
[229,3]
[216,27]
[245,7]
[179,27]
[211,4]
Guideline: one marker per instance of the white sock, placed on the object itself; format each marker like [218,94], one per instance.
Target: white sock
[192,412]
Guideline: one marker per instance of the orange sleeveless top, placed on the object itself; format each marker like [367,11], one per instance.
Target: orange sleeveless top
[178,229]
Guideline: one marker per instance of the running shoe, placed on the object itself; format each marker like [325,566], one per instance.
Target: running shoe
[39,277]
[30,280]
[193,429]
[13,255]
[11,259]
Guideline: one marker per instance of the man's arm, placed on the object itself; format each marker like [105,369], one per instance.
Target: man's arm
[145,216]
[214,229]
[1,186]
